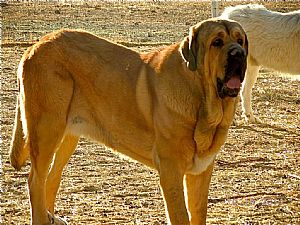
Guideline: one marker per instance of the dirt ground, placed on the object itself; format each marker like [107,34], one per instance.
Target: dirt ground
[257,175]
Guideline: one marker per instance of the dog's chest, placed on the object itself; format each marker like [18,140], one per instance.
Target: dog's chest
[209,139]
[204,154]
[200,164]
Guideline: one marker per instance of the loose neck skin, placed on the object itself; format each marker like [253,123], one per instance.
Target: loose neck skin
[214,117]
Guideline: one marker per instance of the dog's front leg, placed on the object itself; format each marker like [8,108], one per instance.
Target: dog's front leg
[197,187]
[171,171]
[246,94]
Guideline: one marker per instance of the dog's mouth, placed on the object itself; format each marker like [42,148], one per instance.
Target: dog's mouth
[234,74]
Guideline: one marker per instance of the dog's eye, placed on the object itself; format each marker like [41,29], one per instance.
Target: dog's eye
[218,42]
[240,41]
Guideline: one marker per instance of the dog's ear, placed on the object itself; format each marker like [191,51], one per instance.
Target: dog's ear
[189,47]
[246,61]
[246,44]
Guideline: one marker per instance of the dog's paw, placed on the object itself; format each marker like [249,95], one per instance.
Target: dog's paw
[56,220]
[250,118]
[235,122]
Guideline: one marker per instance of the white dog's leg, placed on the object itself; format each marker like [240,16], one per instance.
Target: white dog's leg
[246,94]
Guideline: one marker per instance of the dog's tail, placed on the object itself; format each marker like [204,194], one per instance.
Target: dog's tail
[19,151]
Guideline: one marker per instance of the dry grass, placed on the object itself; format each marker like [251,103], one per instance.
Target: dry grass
[256,178]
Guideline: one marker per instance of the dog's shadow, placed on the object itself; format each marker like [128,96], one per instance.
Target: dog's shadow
[271,130]
[268,130]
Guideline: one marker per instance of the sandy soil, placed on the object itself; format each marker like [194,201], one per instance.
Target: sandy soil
[256,178]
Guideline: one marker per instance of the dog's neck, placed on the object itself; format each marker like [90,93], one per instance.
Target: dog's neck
[217,111]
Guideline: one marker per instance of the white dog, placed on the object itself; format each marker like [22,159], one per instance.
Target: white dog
[274,42]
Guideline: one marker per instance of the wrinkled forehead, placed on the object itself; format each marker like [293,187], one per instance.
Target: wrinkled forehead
[221,28]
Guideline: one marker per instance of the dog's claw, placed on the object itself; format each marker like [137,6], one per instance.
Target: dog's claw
[250,118]
[56,220]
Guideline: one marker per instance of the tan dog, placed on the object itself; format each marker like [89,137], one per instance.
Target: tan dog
[169,109]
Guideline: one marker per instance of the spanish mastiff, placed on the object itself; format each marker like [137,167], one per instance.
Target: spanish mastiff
[169,109]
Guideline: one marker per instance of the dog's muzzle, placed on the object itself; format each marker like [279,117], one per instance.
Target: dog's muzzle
[234,72]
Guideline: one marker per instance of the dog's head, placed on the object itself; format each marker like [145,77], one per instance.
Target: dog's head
[217,49]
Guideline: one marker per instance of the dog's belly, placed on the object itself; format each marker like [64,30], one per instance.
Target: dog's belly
[132,142]
[103,113]
[285,60]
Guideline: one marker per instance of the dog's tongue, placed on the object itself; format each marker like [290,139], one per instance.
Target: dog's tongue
[234,82]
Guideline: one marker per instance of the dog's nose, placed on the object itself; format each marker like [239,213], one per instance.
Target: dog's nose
[238,52]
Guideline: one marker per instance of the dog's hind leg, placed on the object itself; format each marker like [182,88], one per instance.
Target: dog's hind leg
[45,136]
[62,156]
[246,94]
[46,91]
